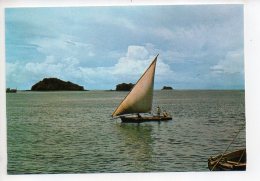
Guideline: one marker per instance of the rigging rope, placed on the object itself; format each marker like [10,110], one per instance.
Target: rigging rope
[227,148]
[241,157]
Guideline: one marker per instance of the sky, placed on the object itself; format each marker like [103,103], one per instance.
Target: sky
[199,46]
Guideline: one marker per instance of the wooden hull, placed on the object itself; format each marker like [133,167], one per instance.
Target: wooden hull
[126,119]
[228,162]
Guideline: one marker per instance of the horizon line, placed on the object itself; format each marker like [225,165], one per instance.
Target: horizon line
[183,89]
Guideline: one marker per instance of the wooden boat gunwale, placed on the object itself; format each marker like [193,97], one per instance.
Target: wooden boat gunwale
[140,119]
[235,160]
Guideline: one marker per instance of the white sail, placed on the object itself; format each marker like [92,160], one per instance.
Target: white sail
[139,100]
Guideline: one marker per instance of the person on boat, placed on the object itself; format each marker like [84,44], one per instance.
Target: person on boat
[138,115]
[165,114]
[158,111]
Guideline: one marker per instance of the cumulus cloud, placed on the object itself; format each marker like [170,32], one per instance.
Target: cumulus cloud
[99,49]
[136,60]
[231,64]
[127,69]
[63,46]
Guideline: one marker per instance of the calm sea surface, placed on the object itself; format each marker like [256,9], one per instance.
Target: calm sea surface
[72,132]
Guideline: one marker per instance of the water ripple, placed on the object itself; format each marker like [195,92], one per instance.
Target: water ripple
[72,132]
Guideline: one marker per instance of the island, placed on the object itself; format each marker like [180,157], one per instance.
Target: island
[167,88]
[124,87]
[54,84]
[9,90]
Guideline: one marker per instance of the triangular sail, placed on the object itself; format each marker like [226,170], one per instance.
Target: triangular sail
[139,100]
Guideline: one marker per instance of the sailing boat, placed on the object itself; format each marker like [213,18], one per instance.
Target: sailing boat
[235,160]
[139,100]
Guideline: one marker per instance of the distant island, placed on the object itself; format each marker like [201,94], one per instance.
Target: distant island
[124,87]
[167,88]
[9,90]
[54,84]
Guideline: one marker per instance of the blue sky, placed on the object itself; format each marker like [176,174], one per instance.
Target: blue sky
[200,46]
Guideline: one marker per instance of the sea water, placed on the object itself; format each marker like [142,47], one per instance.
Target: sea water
[73,132]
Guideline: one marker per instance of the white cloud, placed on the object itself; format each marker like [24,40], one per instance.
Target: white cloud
[71,45]
[128,68]
[137,52]
[137,59]
[232,63]
[63,46]
[17,73]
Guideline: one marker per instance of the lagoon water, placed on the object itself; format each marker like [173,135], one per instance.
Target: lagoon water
[72,132]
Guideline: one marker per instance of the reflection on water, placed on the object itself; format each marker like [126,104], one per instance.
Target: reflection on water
[138,141]
[72,132]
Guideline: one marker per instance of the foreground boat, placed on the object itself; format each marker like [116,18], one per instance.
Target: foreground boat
[139,119]
[235,160]
[139,100]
